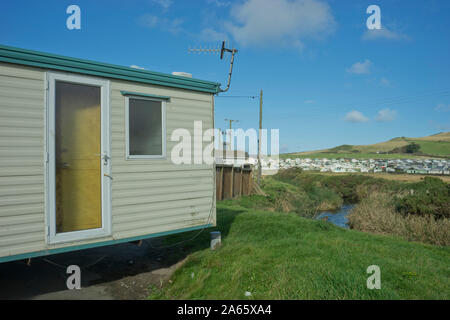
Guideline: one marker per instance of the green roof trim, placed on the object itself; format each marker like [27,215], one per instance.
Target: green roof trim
[57,62]
[146,95]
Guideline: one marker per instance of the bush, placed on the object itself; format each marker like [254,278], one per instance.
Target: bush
[428,197]
[285,197]
[346,186]
[294,191]
[412,148]
[377,214]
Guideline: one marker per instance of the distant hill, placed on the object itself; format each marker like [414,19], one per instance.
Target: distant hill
[437,145]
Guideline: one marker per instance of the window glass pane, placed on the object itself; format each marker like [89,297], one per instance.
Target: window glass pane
[145,127]
[77,161]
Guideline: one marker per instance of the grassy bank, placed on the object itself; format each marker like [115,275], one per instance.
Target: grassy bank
[284,256]
[418,210]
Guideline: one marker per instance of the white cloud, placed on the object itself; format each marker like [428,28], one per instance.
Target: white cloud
[136,67]
[383,33]
[310,101]
[165,4]
[355,116]
[149,20]
[280,23]
[165,24]
[212,35]
[386,115]
[219,3]
[360,67]
[385,82]
[442,107]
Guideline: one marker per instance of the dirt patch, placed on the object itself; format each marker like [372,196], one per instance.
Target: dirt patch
[137,287]
[123,272]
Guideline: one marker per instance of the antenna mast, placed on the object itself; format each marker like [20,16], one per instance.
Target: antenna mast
[233,51]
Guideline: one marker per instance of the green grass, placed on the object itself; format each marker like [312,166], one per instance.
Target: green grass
[440,148]
[295,191]
[284,256]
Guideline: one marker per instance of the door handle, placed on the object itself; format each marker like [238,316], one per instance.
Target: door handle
[105,158]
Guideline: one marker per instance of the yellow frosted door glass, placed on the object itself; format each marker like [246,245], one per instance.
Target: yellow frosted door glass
[77,157]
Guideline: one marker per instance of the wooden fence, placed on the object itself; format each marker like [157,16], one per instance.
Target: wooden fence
[233,181]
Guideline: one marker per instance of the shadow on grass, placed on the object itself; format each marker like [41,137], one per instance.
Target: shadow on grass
[183,244]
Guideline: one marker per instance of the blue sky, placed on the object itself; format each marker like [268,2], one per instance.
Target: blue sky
[327,79]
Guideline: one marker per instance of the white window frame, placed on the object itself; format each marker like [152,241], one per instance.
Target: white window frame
[52,236]
[129,156]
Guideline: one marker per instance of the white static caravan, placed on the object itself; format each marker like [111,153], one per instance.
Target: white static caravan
[85,154]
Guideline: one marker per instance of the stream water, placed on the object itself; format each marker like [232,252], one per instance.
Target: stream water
[338,217]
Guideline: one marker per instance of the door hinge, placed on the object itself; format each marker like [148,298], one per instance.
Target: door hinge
[48,231]
[46,157]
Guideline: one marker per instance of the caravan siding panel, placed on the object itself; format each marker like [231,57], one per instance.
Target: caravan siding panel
[22,120]
[150,196]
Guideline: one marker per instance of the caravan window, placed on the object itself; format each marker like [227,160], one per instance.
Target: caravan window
[145,128]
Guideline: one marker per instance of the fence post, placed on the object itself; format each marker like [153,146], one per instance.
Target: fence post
[232,182]
[242,181]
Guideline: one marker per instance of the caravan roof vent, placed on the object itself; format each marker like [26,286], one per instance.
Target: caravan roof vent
[182,74]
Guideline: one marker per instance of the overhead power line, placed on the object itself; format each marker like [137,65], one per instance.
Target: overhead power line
[252,97]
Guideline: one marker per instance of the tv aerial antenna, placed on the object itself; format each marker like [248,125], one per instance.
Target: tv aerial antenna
[222,51]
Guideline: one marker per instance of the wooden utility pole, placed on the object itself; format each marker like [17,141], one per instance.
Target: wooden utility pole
[259,137]
[231,127]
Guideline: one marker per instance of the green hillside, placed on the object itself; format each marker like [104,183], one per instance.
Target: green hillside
[437,145]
